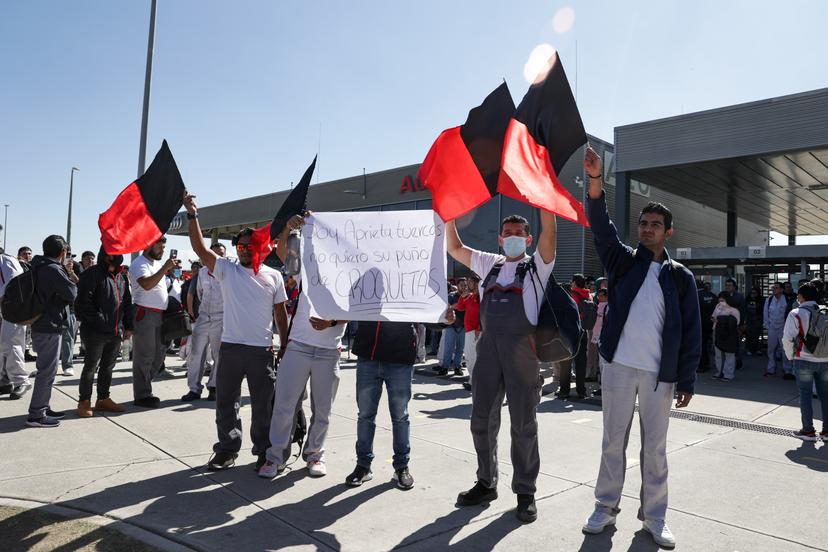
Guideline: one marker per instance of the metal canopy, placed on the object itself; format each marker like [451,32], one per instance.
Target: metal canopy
[766,161]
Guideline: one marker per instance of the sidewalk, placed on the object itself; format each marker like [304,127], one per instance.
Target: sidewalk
[736,481]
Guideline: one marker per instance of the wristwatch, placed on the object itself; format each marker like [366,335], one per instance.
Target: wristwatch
[191,216]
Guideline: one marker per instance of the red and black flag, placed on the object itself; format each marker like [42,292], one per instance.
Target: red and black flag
[462,167]
[142,212]
[545,131]
[296,203]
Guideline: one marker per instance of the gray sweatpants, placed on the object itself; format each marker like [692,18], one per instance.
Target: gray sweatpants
[620,386]
[237,362]
[506,364]
[47,346]
[299,363]
[206,333]
[12,346]
[148,351]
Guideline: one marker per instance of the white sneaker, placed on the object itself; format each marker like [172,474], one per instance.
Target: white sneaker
[599,520]
[269,470]
[316,468]
[68,371]
[660,532]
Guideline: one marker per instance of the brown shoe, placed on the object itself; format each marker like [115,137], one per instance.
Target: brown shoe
[108,405]
[84,409]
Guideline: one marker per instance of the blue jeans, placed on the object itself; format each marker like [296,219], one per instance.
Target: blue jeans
[453,347]
[397,377]
[808,373]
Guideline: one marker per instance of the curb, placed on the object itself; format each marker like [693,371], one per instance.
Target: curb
[122,526]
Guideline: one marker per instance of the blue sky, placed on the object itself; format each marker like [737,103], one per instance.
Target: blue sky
[241,88]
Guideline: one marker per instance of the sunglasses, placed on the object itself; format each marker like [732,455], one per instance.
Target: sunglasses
[244,247]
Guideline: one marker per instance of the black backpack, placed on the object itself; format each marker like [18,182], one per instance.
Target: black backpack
[558,333]
[588,311]
[21,303]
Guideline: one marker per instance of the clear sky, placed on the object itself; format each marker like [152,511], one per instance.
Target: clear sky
[241,89]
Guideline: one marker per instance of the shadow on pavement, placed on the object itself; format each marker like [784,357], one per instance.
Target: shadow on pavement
[810,455]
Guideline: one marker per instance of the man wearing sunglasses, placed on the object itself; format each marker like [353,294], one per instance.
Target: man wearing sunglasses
[251,300]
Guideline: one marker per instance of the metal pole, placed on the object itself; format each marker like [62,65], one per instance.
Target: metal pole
[142,152]
[5,226]
[69,216]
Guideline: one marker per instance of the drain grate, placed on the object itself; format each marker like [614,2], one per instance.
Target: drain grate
[727,422]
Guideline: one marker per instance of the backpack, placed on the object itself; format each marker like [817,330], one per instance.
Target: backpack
[588,311]
[21,303]
[558,333]
[815,340]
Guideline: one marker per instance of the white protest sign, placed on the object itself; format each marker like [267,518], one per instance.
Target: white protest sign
[388,265]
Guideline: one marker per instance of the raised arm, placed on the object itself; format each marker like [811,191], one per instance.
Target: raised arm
[296,221]
[548,241]
[455,247]
[208,258]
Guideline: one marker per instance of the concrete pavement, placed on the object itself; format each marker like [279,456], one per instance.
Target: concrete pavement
[736,482]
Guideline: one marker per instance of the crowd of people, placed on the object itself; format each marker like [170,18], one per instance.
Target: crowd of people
[648,328]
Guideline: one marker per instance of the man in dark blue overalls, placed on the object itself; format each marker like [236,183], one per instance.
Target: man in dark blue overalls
[506,361]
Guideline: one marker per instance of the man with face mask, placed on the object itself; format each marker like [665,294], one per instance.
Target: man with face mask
[650,347]
[104,308]
[506,363]
[56,290]
[252,299]
[149,293]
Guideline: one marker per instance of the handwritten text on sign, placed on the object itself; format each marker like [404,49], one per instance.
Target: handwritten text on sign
[388,265]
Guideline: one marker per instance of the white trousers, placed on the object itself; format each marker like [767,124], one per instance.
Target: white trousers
[774,346]
[620,386]
[12,347]
[206,333]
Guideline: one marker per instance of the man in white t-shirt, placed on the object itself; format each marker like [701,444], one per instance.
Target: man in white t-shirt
[506,363]
[650,346]
[14,378]
[251,300]
[148,285]
[312,353]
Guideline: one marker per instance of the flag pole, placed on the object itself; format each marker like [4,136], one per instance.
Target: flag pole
[142,152]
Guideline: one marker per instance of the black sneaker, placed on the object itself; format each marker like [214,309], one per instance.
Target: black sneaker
[260,461]
[527,510]
[562,396]
[147,402]
[221,461]
[211,393]
[476,495]
[466,386]
[191,396]
[29,357]
[360,475]
[6,389]
[805,435]
[789,377]
[56,415]
[404,479]
[45,421]
[458,371]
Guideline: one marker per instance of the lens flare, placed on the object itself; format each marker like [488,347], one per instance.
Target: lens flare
[539,63]
[563,20]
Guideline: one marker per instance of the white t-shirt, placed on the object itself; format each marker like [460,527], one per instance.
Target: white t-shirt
[248,302]
[303,332]
[482,263]
[174,288]
[640,342]
[154,298]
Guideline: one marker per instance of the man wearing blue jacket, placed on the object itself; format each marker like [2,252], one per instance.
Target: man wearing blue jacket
[650,347]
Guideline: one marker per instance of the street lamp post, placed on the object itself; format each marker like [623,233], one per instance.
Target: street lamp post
[142,151]
[5,225]
[69,216]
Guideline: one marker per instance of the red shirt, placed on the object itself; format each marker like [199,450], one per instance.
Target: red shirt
[470,304]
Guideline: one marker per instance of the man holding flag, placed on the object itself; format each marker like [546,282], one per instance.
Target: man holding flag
[253,295]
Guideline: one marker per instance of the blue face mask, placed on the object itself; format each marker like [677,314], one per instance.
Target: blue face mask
[177,273]
[514,246]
